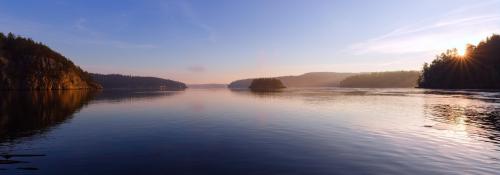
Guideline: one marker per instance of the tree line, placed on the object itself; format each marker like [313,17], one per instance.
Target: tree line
[394,79]
[478,68]
[23,59]
[117,81]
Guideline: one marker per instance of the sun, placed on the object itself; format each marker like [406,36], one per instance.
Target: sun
[461,51]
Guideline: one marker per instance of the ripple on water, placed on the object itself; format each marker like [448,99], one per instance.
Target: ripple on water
[301,131]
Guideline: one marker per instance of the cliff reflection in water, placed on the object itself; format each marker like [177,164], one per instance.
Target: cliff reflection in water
[26,113]
[296,131]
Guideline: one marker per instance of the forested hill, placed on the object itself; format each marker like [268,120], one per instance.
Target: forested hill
[266,84]
[116,81]
[313,79]
[479,68]
[396,79]
[29,65]
[207,86]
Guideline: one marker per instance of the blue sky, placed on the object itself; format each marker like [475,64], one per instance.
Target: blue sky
[218,41]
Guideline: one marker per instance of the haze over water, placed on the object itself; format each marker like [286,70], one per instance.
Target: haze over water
[219,131]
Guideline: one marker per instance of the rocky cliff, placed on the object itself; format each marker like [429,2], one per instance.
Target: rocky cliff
[29,65]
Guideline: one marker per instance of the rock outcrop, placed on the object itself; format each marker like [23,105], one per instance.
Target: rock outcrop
[28,65]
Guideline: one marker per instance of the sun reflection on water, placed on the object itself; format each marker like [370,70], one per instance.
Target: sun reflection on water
[462,120]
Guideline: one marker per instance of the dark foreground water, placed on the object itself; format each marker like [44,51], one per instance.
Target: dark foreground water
[218,131]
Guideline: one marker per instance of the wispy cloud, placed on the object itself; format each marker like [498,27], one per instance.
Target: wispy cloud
[85,35]
[115,43]
[451,31]
[192,17]
[79,24]
[94,37]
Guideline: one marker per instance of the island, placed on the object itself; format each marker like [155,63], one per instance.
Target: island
[311,79]
[29,65]
[266,85]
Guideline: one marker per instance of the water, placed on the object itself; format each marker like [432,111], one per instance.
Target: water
[218,131]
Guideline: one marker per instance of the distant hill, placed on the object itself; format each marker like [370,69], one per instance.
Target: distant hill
[29,65]
[396,79]
[313,79]
[116,81]
[205,86]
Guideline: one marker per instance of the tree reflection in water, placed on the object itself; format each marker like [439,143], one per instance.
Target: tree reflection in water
[24,114]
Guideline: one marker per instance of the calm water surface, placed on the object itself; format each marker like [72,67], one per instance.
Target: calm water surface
[218,131]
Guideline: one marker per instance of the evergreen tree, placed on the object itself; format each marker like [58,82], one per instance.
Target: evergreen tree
[478,68]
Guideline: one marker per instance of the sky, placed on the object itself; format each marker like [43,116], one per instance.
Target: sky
[218,41]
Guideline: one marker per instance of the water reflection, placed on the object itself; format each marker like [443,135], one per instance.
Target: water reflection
[27,114]
[476,121]
[486,96]
[24,114]
[116,96]
[463,114]
[297,131]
